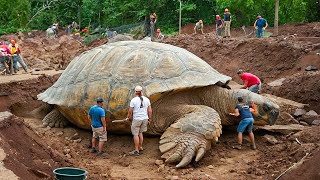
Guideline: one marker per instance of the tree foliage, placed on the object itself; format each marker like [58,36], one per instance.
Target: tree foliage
[40,14]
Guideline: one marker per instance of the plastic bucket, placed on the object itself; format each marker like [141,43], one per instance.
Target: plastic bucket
[69,173]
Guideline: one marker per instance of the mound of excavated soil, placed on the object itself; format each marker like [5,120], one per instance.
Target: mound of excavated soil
[301,29]
[49,53]
[21,97]
[268,58]
[26,156]
[303,87]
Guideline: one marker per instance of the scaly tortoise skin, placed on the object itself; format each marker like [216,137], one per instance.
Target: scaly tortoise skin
[189,101]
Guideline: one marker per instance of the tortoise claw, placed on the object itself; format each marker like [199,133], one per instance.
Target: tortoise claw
[183,147]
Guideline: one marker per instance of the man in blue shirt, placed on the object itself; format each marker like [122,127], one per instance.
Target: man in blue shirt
[97,116]
[260,25]
[245,112]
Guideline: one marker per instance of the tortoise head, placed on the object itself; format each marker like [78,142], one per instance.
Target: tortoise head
[268,111]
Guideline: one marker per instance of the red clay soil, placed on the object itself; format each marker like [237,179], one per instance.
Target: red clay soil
[25,155]
[268,58]
[303,87]
[44,53]
[301,29]
[21,97]
[308,170]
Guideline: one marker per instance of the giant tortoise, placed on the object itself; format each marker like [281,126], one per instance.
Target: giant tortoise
[189,98]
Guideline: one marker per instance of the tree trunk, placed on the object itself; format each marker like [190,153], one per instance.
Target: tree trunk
[79,16]
[276,18]
[180,16]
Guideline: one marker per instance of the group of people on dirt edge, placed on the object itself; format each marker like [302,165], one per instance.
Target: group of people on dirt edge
[10,56]
[260,25]
[155,33]
[139,114]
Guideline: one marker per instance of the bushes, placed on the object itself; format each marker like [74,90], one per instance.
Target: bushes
[40,14]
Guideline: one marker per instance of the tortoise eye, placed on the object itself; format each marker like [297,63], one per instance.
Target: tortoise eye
[266,107]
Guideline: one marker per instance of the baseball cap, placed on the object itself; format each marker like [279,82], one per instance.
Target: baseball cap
[100,100]
[138,88]
[240,71]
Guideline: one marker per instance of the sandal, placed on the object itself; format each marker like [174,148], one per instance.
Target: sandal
[134,153]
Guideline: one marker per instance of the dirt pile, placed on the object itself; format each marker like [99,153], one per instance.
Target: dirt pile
[21,97]
[303,87]
[268,58]
[301,29]
[49,53]
[26,156]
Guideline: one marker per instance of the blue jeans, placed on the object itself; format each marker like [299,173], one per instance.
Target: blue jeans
[17,59]
[259,32]
[255,88]
[245,123]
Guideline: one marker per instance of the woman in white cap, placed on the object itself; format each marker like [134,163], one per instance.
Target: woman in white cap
[140,114]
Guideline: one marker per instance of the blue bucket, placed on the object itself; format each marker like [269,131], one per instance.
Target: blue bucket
[69,173]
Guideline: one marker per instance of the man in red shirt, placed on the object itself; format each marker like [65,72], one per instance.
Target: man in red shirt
[250,81]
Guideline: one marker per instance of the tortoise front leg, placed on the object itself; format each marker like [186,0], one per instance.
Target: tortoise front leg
[191,135]
[55,119]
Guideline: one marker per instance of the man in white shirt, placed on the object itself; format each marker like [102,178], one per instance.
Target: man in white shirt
[140,114]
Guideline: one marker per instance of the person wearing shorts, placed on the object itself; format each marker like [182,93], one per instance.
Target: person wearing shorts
[251,81]
[140,114]
[97,116]
[245,111]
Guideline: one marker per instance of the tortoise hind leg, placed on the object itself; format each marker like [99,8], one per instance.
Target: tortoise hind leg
[55,119]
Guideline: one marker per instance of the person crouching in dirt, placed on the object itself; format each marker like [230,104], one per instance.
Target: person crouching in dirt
[198,28]
[159,35]
[245,111]
[251,81]
[219,25]
[140,114]
[55,27]
[5,58]
[15,52]
[260,25]
[97,116]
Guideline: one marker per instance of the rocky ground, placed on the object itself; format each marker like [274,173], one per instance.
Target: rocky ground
[30,151]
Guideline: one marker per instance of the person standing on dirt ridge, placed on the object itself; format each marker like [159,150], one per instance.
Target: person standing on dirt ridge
[251,81]
[153,21]
[219,25]
[140,114]
[245,111]
[227,23]
[260,25]
[97,116]
[198,27]
[5,58]
[15,52]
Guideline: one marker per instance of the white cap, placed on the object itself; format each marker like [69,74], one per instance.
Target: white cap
[138,88]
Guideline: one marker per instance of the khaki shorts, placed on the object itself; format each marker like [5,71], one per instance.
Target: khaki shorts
[139,126]
[98,132]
